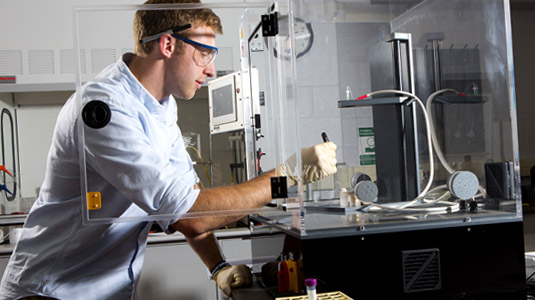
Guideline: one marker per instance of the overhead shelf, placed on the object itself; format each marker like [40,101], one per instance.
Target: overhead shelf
[372,101]
[456,99]
[36,87]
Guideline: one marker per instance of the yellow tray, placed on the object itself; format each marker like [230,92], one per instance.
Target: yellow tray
[321,296]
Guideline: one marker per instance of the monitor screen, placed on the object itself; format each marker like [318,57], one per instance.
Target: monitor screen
[223,101]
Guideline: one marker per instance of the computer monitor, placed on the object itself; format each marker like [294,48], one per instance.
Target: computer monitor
[225,103]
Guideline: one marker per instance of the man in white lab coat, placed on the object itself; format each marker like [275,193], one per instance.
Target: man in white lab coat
[136,159]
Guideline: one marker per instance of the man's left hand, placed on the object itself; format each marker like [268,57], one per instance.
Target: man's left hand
[231,277]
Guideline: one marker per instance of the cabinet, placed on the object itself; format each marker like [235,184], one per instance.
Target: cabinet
[46,61]
[174,271]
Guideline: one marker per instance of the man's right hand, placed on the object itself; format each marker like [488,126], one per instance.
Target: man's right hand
[318,161]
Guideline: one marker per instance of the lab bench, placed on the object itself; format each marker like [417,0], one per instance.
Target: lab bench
[333,242]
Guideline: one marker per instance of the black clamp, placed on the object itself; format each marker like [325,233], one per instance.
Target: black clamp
[279,187]
[270,24]
[96,114]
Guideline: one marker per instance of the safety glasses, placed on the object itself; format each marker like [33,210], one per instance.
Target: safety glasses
[203,54]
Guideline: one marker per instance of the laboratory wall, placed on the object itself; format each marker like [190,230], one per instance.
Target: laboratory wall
[325,73]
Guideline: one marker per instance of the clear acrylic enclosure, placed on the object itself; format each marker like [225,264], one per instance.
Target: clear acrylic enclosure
[418,96]
[102,34]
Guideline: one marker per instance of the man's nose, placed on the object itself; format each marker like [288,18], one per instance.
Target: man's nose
[209,70]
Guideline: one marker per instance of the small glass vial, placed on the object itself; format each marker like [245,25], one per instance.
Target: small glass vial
[311,283]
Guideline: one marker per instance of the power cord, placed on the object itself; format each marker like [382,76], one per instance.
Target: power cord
[410,206]
[203,165]
[436,145]
[421,203]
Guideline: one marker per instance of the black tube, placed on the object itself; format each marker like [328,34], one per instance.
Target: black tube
[6,111]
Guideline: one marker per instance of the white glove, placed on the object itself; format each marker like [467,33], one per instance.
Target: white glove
[318,161]
[231,277]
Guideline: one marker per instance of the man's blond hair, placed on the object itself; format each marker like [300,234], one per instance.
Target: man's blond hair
[150,22]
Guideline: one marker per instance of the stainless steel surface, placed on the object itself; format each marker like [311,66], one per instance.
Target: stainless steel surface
[334,222]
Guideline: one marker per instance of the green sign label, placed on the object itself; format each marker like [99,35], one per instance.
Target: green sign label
[369,149]
[366,131]
[367,159]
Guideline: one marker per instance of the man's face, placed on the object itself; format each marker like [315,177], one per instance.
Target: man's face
[186,72]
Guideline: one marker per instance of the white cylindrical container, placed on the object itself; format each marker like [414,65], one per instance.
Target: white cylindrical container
[311,283]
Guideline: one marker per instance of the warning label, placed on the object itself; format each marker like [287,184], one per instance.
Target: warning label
[366,146]
[8,79]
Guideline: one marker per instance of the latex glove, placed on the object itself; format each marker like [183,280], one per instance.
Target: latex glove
[318,161]
[231,277]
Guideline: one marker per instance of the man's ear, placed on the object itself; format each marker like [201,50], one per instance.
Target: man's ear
[166,45]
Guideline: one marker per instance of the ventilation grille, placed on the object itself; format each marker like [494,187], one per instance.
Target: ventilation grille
[101,58]
[224,61]
[67,62]
[421,270]
[40,62]
[10,62]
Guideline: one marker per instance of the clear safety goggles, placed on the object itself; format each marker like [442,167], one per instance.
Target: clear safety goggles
[203,54]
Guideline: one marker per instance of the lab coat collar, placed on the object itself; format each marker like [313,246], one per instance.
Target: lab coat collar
[136,88]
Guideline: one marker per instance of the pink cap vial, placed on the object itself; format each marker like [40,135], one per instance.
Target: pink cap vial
[310,282]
